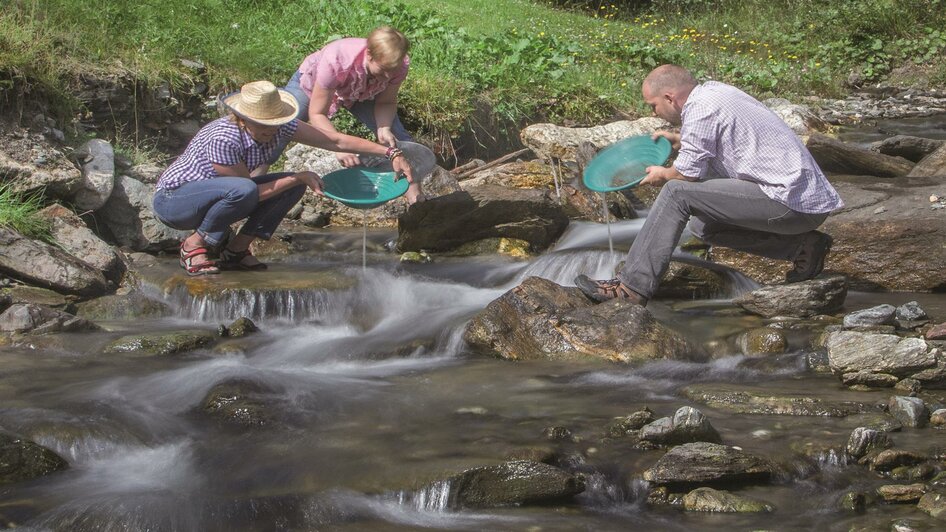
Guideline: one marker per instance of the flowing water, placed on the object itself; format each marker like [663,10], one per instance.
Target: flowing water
[375,401]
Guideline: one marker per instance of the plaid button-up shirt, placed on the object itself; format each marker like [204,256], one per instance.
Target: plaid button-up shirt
[223,142]
[727,133]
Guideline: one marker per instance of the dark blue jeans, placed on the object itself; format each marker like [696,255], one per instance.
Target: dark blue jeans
[211,205]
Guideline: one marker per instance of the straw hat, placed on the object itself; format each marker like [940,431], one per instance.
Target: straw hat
[263,103]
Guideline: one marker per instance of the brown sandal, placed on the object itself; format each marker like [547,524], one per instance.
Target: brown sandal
[600,291]
[233,260]
[208,267]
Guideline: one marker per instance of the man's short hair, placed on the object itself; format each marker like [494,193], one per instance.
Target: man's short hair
[667,77]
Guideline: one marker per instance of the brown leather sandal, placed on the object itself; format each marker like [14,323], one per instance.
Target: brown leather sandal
[600,291]
[208,267]
[233,260]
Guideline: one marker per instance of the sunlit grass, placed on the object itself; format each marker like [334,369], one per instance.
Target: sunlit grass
[18,211]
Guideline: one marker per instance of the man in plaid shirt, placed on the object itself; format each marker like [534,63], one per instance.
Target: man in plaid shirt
[744,177]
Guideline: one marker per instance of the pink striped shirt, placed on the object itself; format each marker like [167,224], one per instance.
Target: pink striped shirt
[727,133]
[341,65]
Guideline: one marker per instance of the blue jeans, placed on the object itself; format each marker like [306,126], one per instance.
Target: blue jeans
[211,205]
[363,111]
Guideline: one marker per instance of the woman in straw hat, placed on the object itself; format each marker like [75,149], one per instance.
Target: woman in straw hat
[363,76]
[221,177]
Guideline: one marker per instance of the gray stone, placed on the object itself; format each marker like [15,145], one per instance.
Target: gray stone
[707,463]
[840,157]
[798,117]
[162,343]
[507,484]
[74,237]
[762,341]
[21,459]
[933,503]
[890,459]
[938,418]
[131,220]
[549,141]
[911,411]
[909,386]
[131,306]
[540,319]
[687,425]
[807,298]
[901,493]
[933,164]
[43,265]
[622,426]
[745,399]
[864,441]
[241,403]
[37,319]
[710,500]
[879,315]
[906,146]
[866,378]
[851,352]
[97,161]
[911,311]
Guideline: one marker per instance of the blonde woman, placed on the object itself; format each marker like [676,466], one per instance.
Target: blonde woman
[221,178]
[363,76]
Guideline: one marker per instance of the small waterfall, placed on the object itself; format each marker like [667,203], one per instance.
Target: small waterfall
[292,305]
[432,498]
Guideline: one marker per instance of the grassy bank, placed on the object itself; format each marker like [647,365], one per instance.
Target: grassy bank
[560,60]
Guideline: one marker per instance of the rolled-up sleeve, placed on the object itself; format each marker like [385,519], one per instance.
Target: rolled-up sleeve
[698,142]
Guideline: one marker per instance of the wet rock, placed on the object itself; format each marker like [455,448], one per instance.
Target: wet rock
[911,411]
[96,158]
[911,311]
[549,141]
[73,236]
[938,418]
[909,386]
[879,315]
[936,332]
[744,399]
[690,281]
[808,298]
[933,503]
[43,265]
[241,327]
[872,380]
[446,222]
[704,463]
[933,164]
[901,493]
[415,257]
[512,247]
[906,146]
[533,454]
[161,344]
[840,157]
[623,426]
[130,306]
[762,341]
[851,352]
[889,459]
[864,441]
[240,402]
[881,422]
[36,319]
[687,425]
[507,484]
[934,377]
[131,220]
[710,500]
[40,296]
[22,459]
[915,473]
[540,319]
[557,434]
[854,501]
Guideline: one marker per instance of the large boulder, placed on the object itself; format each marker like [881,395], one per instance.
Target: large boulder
[540,319]
[798,117]
[44,265]
[704,463]
[933,164]
[840,157]
[449,221]
[96,158]
[508,484]
[74,236]
[808,298]
[549,141]
[45,171]
[896,252]
[131,220]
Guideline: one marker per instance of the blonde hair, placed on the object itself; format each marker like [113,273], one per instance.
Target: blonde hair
[387,46]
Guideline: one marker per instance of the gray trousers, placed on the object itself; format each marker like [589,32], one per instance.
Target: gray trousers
[725,212]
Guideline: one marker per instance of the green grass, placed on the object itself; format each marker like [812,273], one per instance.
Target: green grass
[521,60]
[19,212]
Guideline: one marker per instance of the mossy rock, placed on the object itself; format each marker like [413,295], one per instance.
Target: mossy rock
[512,247]
[155,344]
[39,296]
[240,402]
[711,500]
[762,341]
[22,459]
